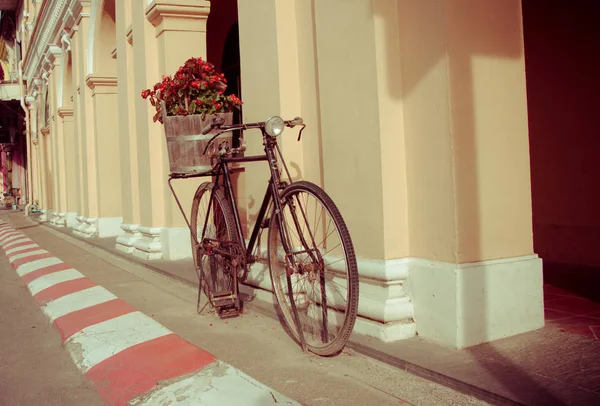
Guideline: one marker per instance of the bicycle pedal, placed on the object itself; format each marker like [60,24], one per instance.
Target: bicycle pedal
[228,311]
[221,300]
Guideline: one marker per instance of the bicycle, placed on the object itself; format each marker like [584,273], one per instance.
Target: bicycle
[310,254]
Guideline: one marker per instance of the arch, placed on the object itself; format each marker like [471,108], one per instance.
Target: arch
[102,38]
[65,88]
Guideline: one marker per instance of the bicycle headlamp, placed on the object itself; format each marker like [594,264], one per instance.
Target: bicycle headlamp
[274,126]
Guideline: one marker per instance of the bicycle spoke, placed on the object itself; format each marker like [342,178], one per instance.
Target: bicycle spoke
[323,289]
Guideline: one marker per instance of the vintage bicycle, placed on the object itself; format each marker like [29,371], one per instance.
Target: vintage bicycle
[310,255]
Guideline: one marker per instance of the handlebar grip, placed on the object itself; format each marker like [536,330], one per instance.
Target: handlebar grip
[207,129]
[296,121]
[216,122]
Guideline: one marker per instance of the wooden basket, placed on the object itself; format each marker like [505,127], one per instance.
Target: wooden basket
[186,143]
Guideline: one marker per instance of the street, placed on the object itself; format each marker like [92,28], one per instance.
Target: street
[36,369]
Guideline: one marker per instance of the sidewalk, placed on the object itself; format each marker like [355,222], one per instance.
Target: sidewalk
[547,366]
[129,357]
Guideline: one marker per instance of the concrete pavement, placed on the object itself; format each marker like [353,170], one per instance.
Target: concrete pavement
[252,343]
[122,351]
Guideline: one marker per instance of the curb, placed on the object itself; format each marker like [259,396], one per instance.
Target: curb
[130,358]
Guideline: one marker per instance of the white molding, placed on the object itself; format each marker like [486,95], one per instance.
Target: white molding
[461,305]
[58,219]
[130,235]
[382,302]
[176,243]
[386,332]
[44,215]
[48,23]
[148,246]
[70,219]
[86,227]
[109,226]
[170,243]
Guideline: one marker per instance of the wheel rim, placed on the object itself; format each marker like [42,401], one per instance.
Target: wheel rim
[320,260]
[215,276]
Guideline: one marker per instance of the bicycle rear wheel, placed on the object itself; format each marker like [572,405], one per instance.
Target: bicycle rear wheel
[213,272]
[313,253]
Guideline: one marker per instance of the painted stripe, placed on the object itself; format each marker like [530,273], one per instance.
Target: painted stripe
[52,279]
[138,369]
[10,238]
[7,230]
[31,276]
[77,301]
[18,242]
[101,341]
[64,289]
[35,265]
[18,262]
[22,255]
[216,384]
[6,233]
[22,247]
[75,321]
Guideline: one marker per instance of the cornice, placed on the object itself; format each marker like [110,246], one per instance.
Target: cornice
[161,12]
[93,81]
[64,112]
[50,18]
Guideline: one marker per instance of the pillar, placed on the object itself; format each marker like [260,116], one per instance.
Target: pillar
[84,113]
[106,147]
[69,152]
[128,136]
[162,231]
[474,277]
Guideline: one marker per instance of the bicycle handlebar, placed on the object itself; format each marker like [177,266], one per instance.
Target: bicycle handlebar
[217,123]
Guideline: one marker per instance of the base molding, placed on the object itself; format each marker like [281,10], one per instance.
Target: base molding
[45,214]
[130,235]
[102,227]
[148,245]
[155,242]
[461,305]
[85,227]
[384,309]
[70,219]
[58,219]
[386,332]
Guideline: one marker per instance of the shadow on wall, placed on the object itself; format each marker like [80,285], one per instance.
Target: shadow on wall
[484,35]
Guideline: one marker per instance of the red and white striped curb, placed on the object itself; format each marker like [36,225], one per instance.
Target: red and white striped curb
[129,357]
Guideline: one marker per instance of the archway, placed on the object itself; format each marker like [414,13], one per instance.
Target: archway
[102,39]
[223,49]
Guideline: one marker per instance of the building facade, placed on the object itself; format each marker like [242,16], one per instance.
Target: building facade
[417,128]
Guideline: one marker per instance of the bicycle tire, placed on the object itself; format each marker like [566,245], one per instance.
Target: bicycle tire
[221,226]
[293,201]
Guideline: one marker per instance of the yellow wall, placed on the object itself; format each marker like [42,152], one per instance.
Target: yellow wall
[416,115]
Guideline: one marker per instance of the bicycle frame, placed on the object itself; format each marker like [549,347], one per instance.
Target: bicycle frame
[271,195]
[224,172]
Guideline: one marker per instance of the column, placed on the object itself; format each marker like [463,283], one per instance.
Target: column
[128,136]
[475,277]
[88,181]
[173,23]
[57,129]
[69,152]
[106,146]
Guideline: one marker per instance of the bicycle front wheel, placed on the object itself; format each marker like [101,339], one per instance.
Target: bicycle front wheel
[312,253]
[214,273]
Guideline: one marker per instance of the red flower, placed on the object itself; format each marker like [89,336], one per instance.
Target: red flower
[196,88]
